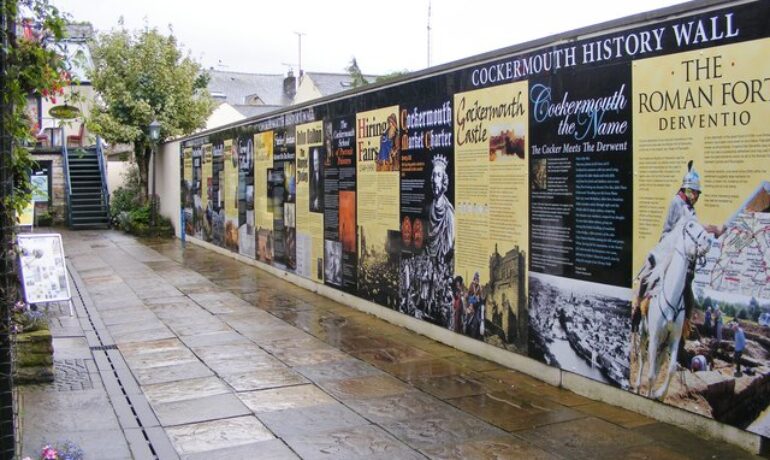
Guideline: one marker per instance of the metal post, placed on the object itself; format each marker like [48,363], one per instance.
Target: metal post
[299,52]
[154,173]
[8,281]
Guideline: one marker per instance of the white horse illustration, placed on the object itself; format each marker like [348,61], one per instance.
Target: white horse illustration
[662,323]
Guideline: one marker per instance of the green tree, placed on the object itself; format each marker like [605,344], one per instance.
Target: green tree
[143,76]
[391,76]
[355,74]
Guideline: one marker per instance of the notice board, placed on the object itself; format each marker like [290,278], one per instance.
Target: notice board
[43,269]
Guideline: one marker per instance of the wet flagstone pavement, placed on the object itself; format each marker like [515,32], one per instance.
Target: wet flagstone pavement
[184,353]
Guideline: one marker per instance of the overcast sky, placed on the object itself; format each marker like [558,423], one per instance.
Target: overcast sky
[253,36]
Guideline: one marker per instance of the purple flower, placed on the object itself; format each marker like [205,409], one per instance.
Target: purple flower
[68,450]
[19,306]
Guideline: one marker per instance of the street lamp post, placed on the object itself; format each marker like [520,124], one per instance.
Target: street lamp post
[154,136]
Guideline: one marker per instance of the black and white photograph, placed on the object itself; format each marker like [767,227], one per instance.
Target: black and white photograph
[316,180]
[580,327]
[427,259]
[333,262]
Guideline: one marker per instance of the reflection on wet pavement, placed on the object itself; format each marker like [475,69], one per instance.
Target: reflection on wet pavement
[233,361]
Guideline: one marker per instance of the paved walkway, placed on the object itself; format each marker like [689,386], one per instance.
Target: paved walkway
[186,353]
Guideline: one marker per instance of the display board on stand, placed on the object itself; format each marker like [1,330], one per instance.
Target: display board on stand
[43,268]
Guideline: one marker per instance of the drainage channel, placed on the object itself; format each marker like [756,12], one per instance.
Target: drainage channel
[112,372]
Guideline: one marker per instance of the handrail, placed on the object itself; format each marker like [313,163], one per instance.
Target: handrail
[67,190]
[103,171]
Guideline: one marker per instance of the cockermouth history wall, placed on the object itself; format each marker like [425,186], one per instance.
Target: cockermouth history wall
[599,204]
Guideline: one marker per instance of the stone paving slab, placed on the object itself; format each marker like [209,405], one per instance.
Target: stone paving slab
[181,390]
[685,442]
[268,377]
[498,410]
[416,370]
[616,415]
[211,339]
[279,399]
[217,434]
[230,350]
[181,314]
[180,301]
[529,384]
[106,444]
[397,407]
[203,409]
[312,419]
[274,449]
[584,438]
[648,452]
[369,441]
[126,315]
[40,403]
[161,358]
[507,447]
[306,357]
[452,386]
[334,370]
[221,302]
[172,373]
[197,326]
[392,355]
[156,346]
[146,335]
[71,348]
[135,326]
[372,386]
[440,428]
[242,364]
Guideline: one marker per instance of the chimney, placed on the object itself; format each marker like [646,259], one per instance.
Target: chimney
[290,85]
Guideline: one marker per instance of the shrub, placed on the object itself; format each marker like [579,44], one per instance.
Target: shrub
[138,222]
[127,197]
[44,219]
[122,200]
[129,214]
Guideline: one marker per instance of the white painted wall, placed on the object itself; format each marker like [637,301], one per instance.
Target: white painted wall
[167,186]
[116,171]
[222,115]
[306,90]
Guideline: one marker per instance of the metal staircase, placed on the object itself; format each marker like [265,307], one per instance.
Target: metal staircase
[87,196]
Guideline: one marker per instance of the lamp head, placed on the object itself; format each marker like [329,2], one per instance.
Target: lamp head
[155,130]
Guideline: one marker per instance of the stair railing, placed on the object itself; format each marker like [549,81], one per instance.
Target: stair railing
[103,172]
[67,190]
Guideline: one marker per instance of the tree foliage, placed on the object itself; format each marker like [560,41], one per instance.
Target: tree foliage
[391,76]
[143,76]
[356,75]
[29,64]
[358,79]
[34,64]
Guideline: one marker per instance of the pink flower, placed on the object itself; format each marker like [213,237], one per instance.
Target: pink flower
[49,453]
